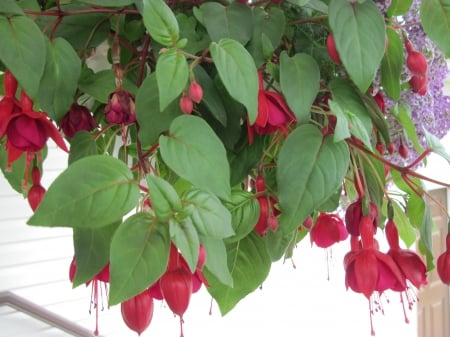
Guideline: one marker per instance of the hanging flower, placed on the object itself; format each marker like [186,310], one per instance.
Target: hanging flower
[120,108]
[328,229]
[273,112]
[78,118]
[8,103]
[443,262]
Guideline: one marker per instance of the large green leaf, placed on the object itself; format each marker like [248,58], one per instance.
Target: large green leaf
[208,215]
[352,23]
[391,67]
[249,265]
[435,16]
[23,51]
[82,145]
[160,22]
[193,151]
[91,247]
[234,21]
[172,73]
[238,73]
[10,7]
[139,256]
[300,83]
[60,79]
[216,260]
[310,169]
[152,121]
[92,192]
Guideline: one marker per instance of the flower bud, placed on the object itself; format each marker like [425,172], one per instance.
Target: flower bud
[78,118]
[332,51]
[195,92]
[419,85]
[186,104]
[417,63]
[120,108]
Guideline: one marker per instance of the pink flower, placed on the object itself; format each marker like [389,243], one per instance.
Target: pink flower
[273,112]
[328,229]
[354,213]
[443,263]
[8,103]
[78,118]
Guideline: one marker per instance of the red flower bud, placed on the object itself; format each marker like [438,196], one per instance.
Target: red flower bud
[195,92]
[137,312]
[332,51]
[186,104]
[417,63]
[354,214]
[78,118]
[35,195]
[176,287]
[443,263]
[419,85]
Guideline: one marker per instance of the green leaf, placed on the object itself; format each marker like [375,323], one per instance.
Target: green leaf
[324,165]
[234,21]
[172,73]
[392,65]
[342,130]
[82,145]
[160,22]
[91,247]
[193,151]
[185,237]
[435,145]
[60,79]
[152,121]
[164,199]
[211,96]
[139,256]
[268,27]
[358,129]
[10,7]
[197,37]
[238,73]
[209,216]
[23,51]
[398,7]
[109,3]
[300,83]
[92,192]
[249,265]
[377,117]
[216,260]
[435,16]
[352,23]
[278,242]
[375,179]
[405,229]
[244,209]
[403,115]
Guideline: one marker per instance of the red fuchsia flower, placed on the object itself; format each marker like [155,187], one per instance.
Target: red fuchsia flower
[273,112]
[328,229]
[354,214]
[102,278]
[268,212]
[443,262]
[137,312]
[8,103]
[369,271]
[120,108]
[78,118]
[410,264]
[27,131]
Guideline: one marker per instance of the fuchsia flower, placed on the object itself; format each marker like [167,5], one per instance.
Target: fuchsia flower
[354,213]
[273,112]
[121,108]
[267,209]
[328,229]
[369,271]
[8,104]
[36,191]
[443,262]
[78,118]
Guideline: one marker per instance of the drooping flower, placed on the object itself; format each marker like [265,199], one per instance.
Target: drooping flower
[78,118]
[328,230]
[273,112]
[443,262]
[36,191]
[102,278]
[369,271]
[8,103]
[121,108]
[268,211]
[354,214]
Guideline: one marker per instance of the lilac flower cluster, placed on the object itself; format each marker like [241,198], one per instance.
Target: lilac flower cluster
[432,110]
